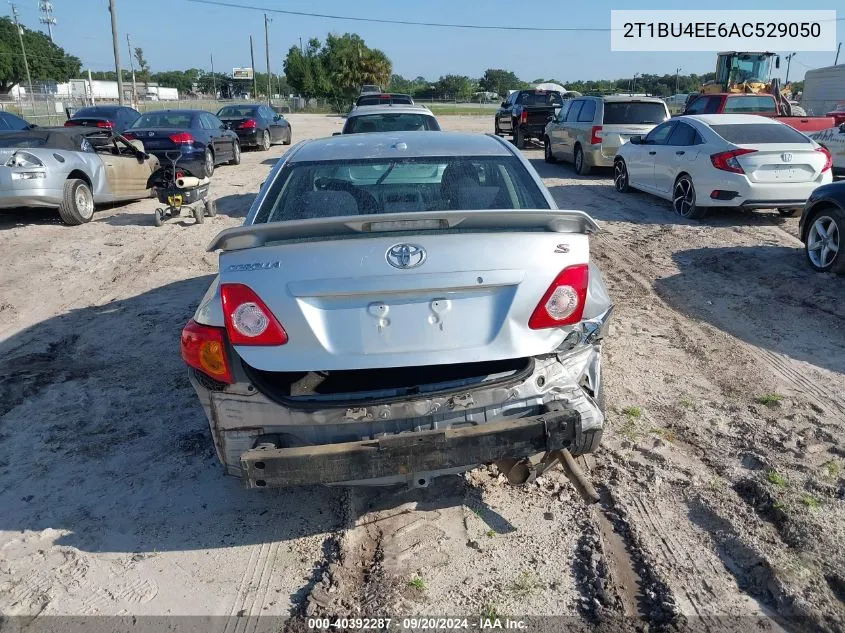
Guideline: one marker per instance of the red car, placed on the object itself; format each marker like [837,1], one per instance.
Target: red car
[838,114]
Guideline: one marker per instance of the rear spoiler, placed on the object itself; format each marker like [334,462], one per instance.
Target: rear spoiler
[256,235]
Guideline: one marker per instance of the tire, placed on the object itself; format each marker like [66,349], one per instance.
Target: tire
[265,141]
[581,166]
[208,163]
[77,205]
[547,151]
[684,199]
[496,129]
[158,217]
[288,137]
[518,138]
[236,150]
[789,213]
[621,181]
[210,207]
[199,214]
[825,253]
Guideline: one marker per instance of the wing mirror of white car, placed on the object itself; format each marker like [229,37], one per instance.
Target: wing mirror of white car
[842,129]
[636,140]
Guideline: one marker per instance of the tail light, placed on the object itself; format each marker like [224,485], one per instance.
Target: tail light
[181,138]
[727,161]
[828,158]
[563,303]
[248,319]
[249,124]
[129,136]
[523,118]
[71,123]
[179,174]
[204,348]
[108,125]
[595,135]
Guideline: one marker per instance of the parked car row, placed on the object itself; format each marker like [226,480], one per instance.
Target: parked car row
[108,153]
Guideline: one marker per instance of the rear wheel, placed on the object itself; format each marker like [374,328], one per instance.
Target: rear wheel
[824,245]
[518,138]
[547,151]
[77,205]
[208,163]
[620,176]
[265,141]
[496,129]
[236,154]
[581,166]
[683,199]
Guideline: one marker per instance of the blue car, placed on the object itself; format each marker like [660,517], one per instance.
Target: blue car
[201,137]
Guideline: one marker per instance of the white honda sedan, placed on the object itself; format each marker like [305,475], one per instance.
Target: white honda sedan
[724,160]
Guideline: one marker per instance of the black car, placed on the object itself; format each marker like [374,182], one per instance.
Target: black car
[116,118]
[201,137]
[256,125]
[388,98]
[524,114]
[822,228]
[12,122]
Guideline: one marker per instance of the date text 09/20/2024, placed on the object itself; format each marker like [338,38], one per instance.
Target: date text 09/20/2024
[416,624]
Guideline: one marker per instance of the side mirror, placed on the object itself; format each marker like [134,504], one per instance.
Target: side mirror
[777,61]
[504,104]
[550,118]
[842,129]
[636,140]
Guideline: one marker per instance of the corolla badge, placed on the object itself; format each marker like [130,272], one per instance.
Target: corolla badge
[151,133]
[787,157]
[405,255]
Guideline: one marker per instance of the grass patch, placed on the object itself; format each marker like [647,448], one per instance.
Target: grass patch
[717,483]
[633,412]
[629,430]
[488,612]
[810,501]
[770,399]
[417,583]
[524,585]
[774,477]
[686,403]
[491,533]
[667,434]
[832,469]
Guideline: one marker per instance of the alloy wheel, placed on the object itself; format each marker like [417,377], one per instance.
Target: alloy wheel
[620,176]
[683,200]
[823,241]
[84,202]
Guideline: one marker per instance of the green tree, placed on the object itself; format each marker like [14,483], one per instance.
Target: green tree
[207,82]
[500,81]
[458,87]
[47,62]
[182,80]
[143,73]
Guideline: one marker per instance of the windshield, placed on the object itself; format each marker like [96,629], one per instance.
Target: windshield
[539,98]
[759,133]
[634,113]
[163,120]
[384,99]
[237,111]
[94,112]
[750,103]
[331,188]
[390,122]
[746,67]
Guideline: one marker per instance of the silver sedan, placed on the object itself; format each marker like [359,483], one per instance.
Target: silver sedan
[72,170]
[398,307]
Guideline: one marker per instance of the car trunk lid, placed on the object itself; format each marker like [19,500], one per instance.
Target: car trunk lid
[782,163]
[156,138]
[467,293]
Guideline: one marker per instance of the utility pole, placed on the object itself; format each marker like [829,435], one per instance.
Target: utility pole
[254,78]
[301,50]
[213,78]
[23,50]
[132,66]
[677,70]
[47,9]
[788,63]
[113,11]
[91,86]
[838,48]
[267,53]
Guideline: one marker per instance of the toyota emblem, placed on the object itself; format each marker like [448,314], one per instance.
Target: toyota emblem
[151,133]
[786,157]
[405,256]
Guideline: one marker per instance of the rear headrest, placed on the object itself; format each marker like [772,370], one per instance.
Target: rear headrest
[478,197]
[321,204]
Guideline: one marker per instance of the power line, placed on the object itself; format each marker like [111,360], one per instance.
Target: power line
[233,5]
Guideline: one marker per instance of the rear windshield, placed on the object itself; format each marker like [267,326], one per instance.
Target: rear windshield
[334,188]
[749,103]
[540,98]
[390,122]
[759,133]
[163,119]
[634,113]
[94,112]
[377,99]
[233,111]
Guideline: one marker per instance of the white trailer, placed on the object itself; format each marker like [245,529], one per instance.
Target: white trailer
[824,89]
[159,93]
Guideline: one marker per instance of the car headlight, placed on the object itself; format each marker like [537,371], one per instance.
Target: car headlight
[24,159]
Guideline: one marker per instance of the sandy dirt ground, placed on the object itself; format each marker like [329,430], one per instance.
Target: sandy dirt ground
[721,474]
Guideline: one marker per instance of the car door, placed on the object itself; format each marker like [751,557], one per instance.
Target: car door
[556,129]
[569,130]
[222,144]
[505,113]
[675,156]
[641,166]
[271,120]
[127,172]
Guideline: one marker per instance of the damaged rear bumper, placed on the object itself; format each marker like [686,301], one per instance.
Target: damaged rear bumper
[418,454]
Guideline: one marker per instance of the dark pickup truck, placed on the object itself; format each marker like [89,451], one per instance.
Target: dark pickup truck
[524,114]
[762,104]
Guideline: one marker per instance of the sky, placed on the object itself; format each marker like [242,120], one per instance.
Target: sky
[180,34]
